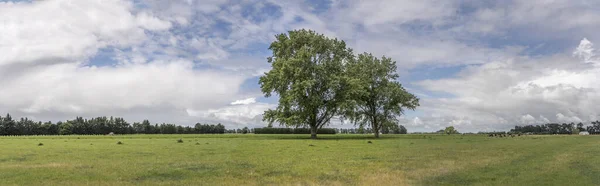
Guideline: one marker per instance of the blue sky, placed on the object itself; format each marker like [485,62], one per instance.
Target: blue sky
[475,65]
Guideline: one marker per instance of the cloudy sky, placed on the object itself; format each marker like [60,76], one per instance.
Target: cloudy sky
[478,65]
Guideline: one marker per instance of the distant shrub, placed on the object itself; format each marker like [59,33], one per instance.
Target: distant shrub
[197,143]
[40,144]
[268,130]
[179,141]
[369,142]
[119,143]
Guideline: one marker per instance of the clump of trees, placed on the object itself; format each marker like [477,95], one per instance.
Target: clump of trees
[387,129]
[99,125]
[393,128]
[450,130]
[318,78]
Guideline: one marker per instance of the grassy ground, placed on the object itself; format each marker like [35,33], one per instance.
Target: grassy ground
[295,160]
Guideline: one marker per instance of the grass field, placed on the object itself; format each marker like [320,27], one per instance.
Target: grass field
[295,160]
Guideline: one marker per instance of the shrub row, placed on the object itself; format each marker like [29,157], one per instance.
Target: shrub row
[267,130]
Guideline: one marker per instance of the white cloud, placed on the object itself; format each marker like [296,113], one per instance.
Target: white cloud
[69,31]
[240,115]
[416,121]
[244,101]
[586,51]
[45,74]
[73,89]
[567,119]
[530,120]
[517,89]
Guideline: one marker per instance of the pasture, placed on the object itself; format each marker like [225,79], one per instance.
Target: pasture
[296,160]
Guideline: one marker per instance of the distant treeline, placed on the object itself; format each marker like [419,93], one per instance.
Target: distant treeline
[100,125]
[555,128]
[269,130]
[394,129]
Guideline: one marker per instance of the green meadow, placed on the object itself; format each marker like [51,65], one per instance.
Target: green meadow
[296,160]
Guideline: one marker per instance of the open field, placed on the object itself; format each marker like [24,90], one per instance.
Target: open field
[294,160]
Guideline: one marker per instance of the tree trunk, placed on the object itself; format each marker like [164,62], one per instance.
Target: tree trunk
[313,133]
[376,127]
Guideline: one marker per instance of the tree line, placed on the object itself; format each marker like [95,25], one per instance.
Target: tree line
[318,78]
[555,128]
[100,125]
[394,129]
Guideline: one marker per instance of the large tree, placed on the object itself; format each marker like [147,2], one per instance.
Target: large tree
[308,76]
[377,95]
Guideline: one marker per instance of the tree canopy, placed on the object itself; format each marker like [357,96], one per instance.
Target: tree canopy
[377,95]
[450,130]
[308,76]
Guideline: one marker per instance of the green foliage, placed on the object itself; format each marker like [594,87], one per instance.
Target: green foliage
[377,96]
[268,130]
[450,130]
[393,128]
[99,125]
[556,128]
[308,75]
[595,128]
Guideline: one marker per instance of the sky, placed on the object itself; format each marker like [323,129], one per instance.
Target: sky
[477,65]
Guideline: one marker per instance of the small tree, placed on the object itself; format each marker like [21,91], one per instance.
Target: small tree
[401,130]
[377,96]
[450,130]
[580,127]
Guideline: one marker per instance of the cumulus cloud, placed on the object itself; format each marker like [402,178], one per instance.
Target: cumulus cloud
[508,93]
[186,61]
[81,90]
[46,74]
[586,51]
[69,31]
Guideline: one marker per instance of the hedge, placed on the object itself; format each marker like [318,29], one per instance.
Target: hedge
[267,130]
